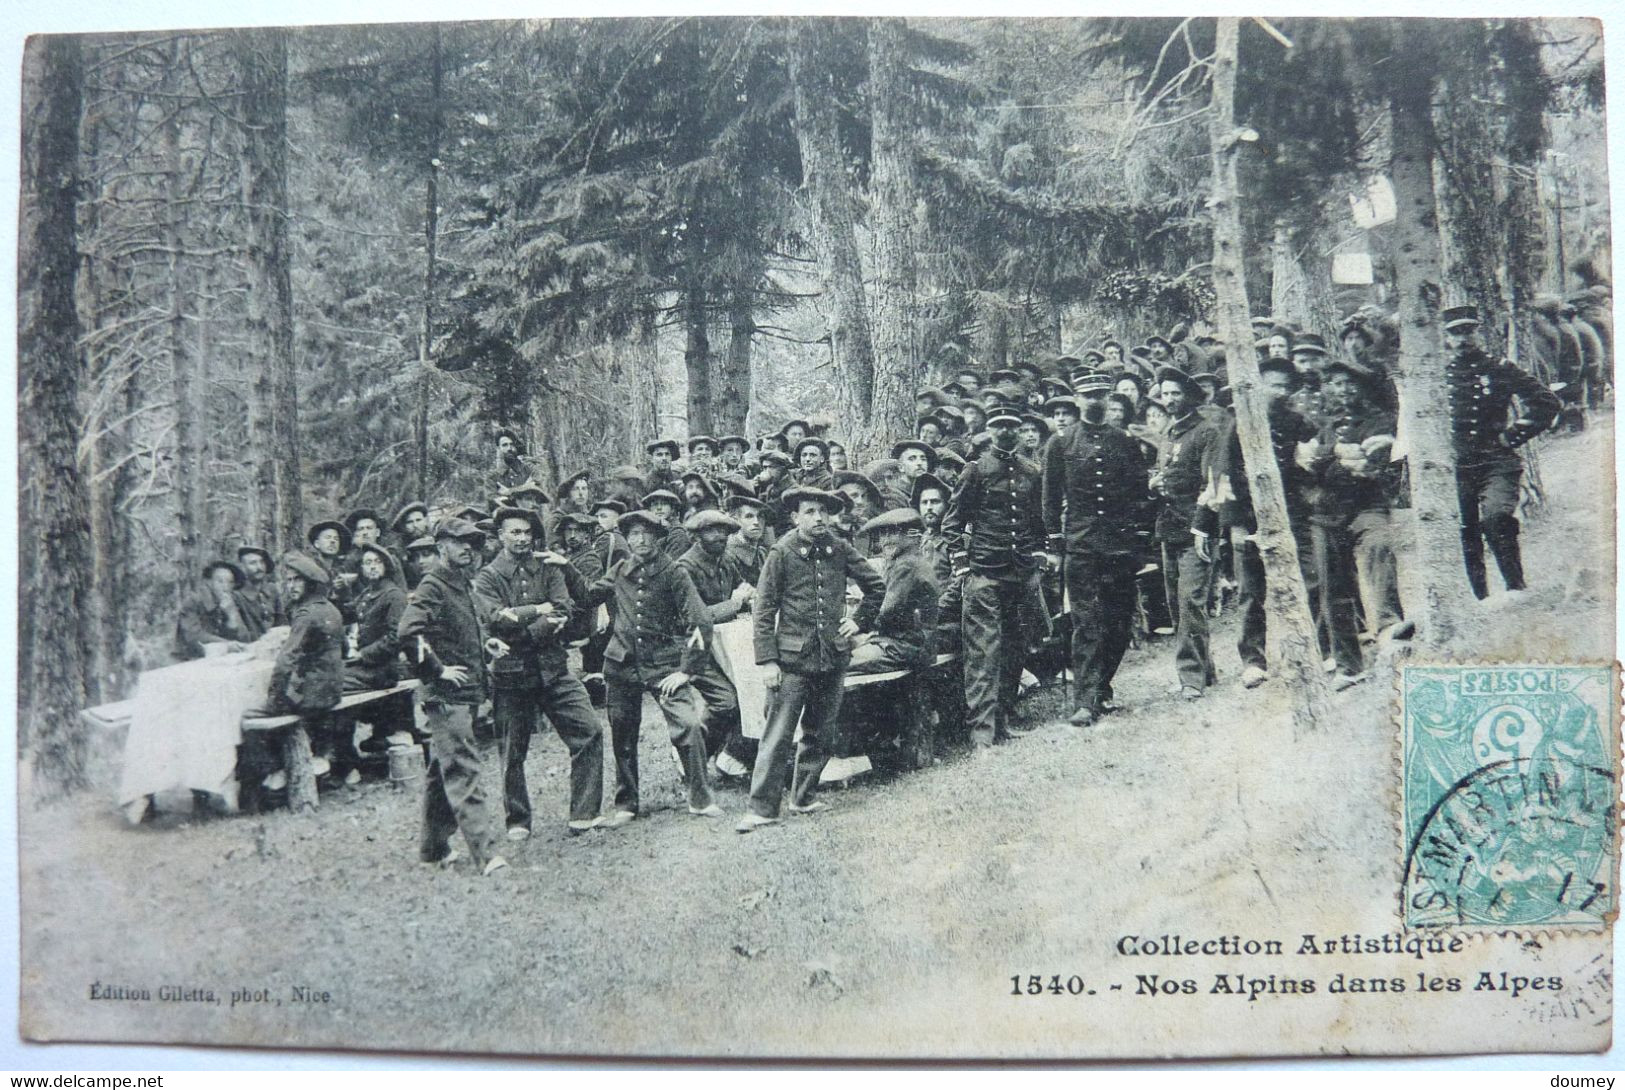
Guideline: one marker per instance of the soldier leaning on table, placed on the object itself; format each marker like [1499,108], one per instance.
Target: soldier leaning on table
[726,594]
[533,603]
[440,634]
[803,640]
[906,624]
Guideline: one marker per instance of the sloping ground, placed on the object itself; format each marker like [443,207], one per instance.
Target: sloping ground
[892,925]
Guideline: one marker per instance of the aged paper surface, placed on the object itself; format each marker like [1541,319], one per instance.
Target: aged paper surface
[1179,879]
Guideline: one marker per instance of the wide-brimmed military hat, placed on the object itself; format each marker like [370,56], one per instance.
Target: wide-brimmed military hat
[812,441]
[904,519]
[625,473]
[796,423]
[571,481]
[578,520]
[398,523]
[739,440]
[330,524]
[949,457]
[924,481]
[935,395]
[609,505]
[668,444]
[383,554]
[1030,368]
[263,554]
[1035,421]
[1365,376]
[1192,388]
[914,444]
[735,502]
[509,511]
[1062,402]
[709,519]
[1276,365]
[421,544]
[778,458]
[661,494]
[470,513]
[793,498]
[696,440]
[528,488]
[1156,339]
[236,573]
[647,519]
[872,490]
[363,513]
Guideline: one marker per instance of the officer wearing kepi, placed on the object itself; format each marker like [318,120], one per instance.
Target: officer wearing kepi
[1488,469]
[1095,496]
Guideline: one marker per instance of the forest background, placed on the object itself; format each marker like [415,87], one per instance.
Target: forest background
[313,269]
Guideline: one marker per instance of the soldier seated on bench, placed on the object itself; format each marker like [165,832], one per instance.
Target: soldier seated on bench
[906,624]
[308,678]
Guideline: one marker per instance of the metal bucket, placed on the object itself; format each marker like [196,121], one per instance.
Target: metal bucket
[405,765]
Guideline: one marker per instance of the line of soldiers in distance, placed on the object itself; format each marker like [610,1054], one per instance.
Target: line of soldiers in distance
[1121,485]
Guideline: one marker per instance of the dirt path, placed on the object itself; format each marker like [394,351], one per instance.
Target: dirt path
[891,925]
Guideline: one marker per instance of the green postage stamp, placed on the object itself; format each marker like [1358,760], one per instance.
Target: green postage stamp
[1510,779]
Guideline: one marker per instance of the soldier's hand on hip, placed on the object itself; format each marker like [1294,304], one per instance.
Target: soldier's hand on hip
[770,675]
[672,682]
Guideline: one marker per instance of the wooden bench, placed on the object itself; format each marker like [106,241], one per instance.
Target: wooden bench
[918,735]
[296,755]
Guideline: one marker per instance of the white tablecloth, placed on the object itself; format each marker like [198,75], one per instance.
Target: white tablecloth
[734,648]
[187,721]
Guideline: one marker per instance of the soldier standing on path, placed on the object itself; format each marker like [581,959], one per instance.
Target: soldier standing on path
[440,633]
[997,520]
[529,601]
[1095,492]
[1488,469]
[803,641]
[726,594]
[660,638]
[1178,480]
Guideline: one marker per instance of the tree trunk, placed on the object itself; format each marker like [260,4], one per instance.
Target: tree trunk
[823,169]
[731,397]
[263,55]
[891,144]
[641,368]
[183,365]
[55,519]
[697,349]
[1436,604]
[431,221]
[1289,287]
[1296,652]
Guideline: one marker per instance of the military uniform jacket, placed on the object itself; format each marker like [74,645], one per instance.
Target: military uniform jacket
[589,563]
[676,542]
[536,650]
[1184,453]
[1227,498]
[801,600]
[997,512]
[265,602]
[1341,493]
[748,556]
[1095,490]
[801,478]
[441,610]
[309,671]
[1481,392]
[908,612]
[378,642]
[203,621]
[610,547]
[715,578]
[654,612]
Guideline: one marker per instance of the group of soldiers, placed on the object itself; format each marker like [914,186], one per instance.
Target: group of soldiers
[1041,518]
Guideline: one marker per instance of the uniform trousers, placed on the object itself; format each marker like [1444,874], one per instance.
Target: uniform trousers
[1187,601]
[1488,497]
[685,721]
[1101,587]
[453,795]
[564,701]
[996,639]
[721,705]
[812,701]
[1377,564]
[1254,590]
[1339,593]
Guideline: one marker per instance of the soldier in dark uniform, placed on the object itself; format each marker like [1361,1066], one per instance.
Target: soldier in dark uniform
[1095,495]
[660,639]
[698,493]
[1488,469]
[726,594]
[410,523]
[509,470]
[748,545]
[662,453]
[607,541]
[220,611]
[996,518]
[906,625]
[260,586]
[535,603]
[803,640]
[329,545]
[665,506]
[812,466]
[733,448]
[440,634]
[1178,480]
[862,494]
[702,455]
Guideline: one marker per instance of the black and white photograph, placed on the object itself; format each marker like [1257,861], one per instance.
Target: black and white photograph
[795,537]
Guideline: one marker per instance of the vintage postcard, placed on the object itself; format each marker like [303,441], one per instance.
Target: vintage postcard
[791,537]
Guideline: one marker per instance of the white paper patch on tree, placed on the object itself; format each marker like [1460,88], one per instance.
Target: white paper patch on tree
[1351,269]
[1376,206]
